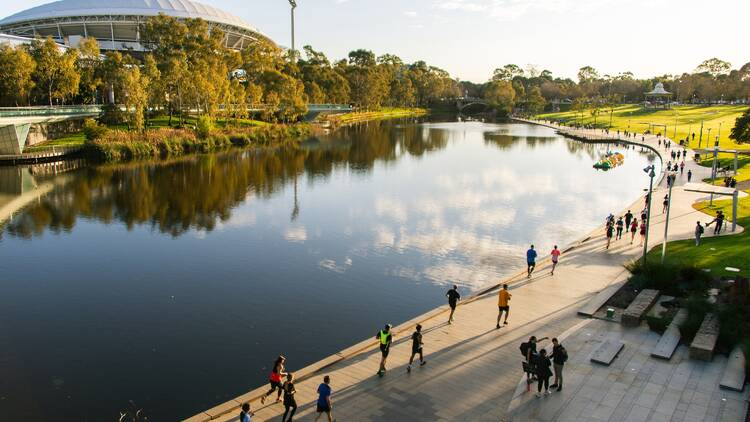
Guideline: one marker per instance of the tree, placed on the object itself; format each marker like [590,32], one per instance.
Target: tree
[17,67]
[741,130]
[135,95]
[587,74]
[714,67]
[500,95]
[507,73]
[87,64]
[55,72]
[534,101]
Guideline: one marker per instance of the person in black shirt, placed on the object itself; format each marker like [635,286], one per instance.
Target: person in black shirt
[289,402]
[559,357]
[543,372]
[453,298]
[628,219]
[416,347]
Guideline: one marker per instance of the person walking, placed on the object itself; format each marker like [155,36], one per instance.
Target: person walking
[453,297]
[290,403]
[543,372]
[245,413]
[628,219]
[644,214]
[609,232]
[619,225]
[416,347]
[682,167]
[719,220]
[503,304]
[665,203]
[277,373]
[530,261]
[698,233]
[385,337]
[633,230]
[324,404]
[559,357]
[555,257]
[643,231]
[690,175]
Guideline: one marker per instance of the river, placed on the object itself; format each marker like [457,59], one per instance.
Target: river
[175,284]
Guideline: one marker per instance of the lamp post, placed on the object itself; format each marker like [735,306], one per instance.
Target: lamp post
[293,3]
[666,222]
[650,171]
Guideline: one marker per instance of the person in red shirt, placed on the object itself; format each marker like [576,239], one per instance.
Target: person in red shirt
[555,256]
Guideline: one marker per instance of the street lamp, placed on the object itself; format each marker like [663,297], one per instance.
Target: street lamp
[650,171]
[666,222]
[293,3]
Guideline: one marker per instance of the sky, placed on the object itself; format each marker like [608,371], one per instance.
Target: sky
[470,38]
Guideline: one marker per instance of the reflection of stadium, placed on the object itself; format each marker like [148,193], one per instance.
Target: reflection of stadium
[115,23]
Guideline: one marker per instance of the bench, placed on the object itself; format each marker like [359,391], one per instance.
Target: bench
[635,312]
[607,352]
[702,347]
[669,341]
[734,373]
[596,302]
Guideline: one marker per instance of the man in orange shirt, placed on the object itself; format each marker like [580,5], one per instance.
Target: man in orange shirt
[502,302]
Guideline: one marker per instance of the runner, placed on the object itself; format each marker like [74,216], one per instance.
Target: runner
[453,298]
[503,299]
[385,337]
[665,203]
[416,347]
[609,231]
[690,175]
[275,379]
[530,261]
[633,229]
[324,399]
[289,401]
[555,257]
[628,219]
[643,231]
[620,225]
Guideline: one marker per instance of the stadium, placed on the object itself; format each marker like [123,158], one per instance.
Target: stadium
[115,23]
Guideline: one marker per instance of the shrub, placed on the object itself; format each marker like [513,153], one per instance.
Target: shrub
[204,126]
[697,308]
[668,278]
[93,130]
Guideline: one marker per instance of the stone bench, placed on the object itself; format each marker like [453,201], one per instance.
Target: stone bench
[702,347]
[734,373]
[635,312]
[670,339]
[607,352]
[596,302]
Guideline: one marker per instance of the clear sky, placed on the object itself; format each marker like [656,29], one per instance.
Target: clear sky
[470,38]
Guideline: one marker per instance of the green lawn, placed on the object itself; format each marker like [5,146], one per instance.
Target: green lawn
[75,139]
[687,117]
[383,113]
[729,251]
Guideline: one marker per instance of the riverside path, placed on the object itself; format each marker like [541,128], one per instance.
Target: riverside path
[473,368]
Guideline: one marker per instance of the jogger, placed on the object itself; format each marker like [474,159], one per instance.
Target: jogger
[385,337]
[416,347]
[453,297]
[530,261]
[275,379]
[555,257]
[503,299]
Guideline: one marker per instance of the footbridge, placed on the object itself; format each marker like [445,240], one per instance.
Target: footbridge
[464,103]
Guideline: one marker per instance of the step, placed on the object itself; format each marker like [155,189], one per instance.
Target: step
[734,373]
[607,352]
[596,302]
[635,312]
[669,341]
[703,344]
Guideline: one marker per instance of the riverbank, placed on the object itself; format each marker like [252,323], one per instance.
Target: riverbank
[472,373]
[337,120]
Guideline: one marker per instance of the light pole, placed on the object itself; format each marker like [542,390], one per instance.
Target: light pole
[650,171]
[293,3]
[666,222]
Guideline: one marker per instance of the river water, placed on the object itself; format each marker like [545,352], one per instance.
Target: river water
[175,284]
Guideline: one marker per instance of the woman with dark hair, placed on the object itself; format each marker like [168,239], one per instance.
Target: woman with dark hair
[289,402]
[543,372]
[275,379]
[245,413]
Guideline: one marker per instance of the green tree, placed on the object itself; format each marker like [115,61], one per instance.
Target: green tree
[17,67]
[135,95]
[55,72]
[741,130]
[87,64]
[587,74]
[500,95]
[714,67]
[507,73]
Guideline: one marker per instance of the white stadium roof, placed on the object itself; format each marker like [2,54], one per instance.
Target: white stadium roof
[64,18]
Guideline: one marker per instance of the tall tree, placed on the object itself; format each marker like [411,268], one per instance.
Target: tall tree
[17,67]
[500,95]
[55,72]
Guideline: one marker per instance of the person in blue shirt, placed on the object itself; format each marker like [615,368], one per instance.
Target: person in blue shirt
[530,261]
[324,399]
[245,414]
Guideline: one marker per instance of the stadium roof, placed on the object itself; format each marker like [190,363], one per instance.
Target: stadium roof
[175,8]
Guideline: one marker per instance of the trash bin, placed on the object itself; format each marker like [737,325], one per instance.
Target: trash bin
[610,313]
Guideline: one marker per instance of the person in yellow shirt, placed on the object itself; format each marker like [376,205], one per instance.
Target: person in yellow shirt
[502,302]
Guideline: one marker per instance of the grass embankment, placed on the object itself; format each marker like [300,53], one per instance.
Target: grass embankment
[119,145]
[714,253]
[383,113]
[687,119]
[72,140]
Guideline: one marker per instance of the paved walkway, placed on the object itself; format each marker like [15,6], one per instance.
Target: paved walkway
[473,368]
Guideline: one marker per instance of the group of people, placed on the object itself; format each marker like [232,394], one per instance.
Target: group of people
[539,365]
[531,255]
[730,182]
[699,228]
[624,223]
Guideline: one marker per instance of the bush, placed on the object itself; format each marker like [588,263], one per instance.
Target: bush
[93,130]
[204,126]
[112,115]
[697,308]
[668,278]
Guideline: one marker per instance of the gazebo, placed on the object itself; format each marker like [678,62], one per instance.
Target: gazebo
[658,97]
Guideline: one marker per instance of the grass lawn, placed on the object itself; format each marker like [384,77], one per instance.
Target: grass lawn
[73,140]
[730,251]
[686,117]
[383,113]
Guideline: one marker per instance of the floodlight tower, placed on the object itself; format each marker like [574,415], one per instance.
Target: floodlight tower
[293,3]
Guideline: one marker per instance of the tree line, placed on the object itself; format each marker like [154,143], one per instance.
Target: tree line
[187,68]
[530,90]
